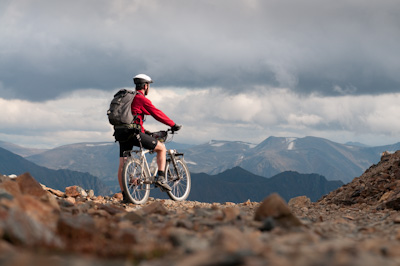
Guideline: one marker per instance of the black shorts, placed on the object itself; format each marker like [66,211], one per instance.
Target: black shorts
[148,142]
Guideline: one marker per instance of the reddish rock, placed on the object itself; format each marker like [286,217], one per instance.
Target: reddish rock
[118,196]
[77,227]
[112,209]
[22,229]
[378,186]
[75,191]
[71,200]
[276,208]
[42,212]
[133,217]
[299,202]
[11,187]
[55,192]
[231,213]
[28,185]
[153,208]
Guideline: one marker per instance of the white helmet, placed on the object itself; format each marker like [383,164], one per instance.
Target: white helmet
[142,78]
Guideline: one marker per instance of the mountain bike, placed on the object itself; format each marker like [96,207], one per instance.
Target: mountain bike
[138,178]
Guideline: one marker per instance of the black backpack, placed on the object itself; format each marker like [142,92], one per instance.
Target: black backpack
[120,112]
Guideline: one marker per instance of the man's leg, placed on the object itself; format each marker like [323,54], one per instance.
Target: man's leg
[120,169]
[151,143]
[123,146]
[161,161]
[161,155]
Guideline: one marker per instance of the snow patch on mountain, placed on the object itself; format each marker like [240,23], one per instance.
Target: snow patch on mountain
[216,143]
[220,143]
[99,144]
[291,143]
[190,162]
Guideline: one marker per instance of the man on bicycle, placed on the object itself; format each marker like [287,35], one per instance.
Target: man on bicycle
[141,106]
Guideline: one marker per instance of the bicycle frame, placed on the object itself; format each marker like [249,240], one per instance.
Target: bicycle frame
[171,156]
[141,155]
[138,176]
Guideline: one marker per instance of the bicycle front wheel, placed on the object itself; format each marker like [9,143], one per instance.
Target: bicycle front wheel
[133,182]
[179,180]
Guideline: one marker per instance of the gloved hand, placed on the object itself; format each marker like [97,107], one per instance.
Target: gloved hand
[147,132]
[176,127]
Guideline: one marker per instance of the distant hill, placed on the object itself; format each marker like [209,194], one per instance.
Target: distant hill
[22,151]
[233,185]
[238,185]
[11,163]
[274,155]
[100,159]
[357,144]
[216,156]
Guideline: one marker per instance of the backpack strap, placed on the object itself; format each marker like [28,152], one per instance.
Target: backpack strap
[128,126]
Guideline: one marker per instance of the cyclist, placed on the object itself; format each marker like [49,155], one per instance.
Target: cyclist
[141,106]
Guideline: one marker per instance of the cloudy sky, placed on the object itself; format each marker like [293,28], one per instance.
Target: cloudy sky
[225,69]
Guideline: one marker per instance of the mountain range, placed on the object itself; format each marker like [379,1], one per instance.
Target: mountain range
[238,185]
[233,185]
[274,155]
[11,163]
[22,151]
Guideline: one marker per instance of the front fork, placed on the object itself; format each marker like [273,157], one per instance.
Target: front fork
[172,158]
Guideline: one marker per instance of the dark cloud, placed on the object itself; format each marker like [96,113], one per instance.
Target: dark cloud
[330,48]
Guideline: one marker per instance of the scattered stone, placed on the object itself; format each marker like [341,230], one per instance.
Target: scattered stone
[378,186]
[70,200]
[153,208]
[4,194]
[21,229]
[118,196]
[90,193]
[299,202]
[76,227]
[275,211]
[358,224]
[11,187]
[4,178]
[55,192]
[231,213]
[112,209]
[75,191]
[28,185]
[133,217]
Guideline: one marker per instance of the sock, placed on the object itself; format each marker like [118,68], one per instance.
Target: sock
[161,173]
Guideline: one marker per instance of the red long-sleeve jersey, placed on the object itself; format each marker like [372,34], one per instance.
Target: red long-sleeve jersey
[142,106]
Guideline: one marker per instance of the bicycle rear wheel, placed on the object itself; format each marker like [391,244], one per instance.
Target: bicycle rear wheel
[178,179]
[133,182]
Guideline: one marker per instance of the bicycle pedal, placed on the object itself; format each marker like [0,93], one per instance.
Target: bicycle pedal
[164,187]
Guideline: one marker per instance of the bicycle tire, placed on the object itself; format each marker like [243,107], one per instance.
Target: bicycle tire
[138,193]
[179,182]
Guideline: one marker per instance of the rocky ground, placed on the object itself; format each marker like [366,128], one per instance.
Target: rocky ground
[357,224]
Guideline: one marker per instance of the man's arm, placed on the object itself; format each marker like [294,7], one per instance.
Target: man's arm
[157,113]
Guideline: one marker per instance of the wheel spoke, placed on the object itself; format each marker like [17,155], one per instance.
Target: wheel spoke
[133,182]
[180,183]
